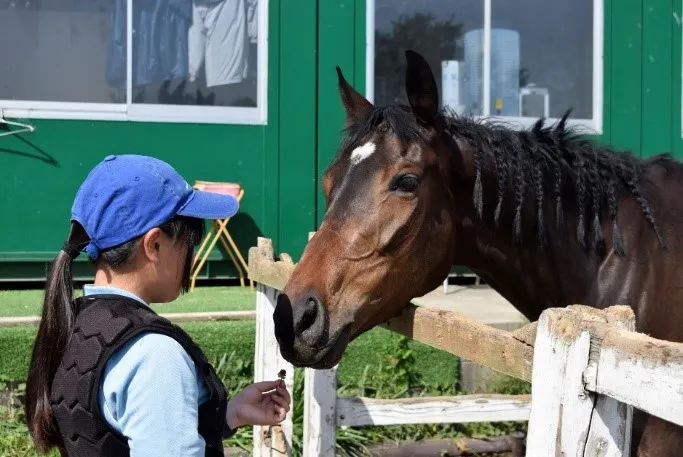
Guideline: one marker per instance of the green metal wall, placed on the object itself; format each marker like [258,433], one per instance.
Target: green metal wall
[643,76]
[280,164]
[276,163]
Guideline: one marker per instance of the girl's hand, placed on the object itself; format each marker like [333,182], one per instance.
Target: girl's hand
[262,403]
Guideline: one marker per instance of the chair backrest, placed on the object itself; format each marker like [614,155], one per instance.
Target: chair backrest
[225,188]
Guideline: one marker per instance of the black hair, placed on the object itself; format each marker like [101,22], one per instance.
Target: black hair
[58,316]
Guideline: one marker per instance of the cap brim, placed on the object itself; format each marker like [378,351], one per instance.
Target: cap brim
[209,205]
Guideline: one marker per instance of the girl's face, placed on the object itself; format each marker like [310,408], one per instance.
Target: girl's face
[167,266]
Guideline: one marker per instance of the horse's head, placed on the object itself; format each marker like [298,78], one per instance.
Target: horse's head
[387,235]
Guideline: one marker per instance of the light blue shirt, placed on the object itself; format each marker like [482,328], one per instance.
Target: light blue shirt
[150,392]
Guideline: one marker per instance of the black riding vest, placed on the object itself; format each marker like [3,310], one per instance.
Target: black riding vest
[103,324]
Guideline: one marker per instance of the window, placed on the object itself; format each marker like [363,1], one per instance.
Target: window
[148,60]
[517,60]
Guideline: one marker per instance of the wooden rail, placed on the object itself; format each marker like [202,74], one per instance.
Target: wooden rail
[173,317]
[432,410]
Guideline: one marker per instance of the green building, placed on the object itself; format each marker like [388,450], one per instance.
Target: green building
[245,91]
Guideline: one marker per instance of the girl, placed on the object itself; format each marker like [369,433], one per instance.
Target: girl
[108,376]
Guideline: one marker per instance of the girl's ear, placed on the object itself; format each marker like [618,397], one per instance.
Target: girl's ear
[151,243]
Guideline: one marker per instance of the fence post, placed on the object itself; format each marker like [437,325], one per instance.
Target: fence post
[320,419]
[565,418]
[609,434]
[560,407]
[275,440]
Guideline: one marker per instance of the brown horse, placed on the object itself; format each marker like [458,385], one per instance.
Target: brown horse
[547,217]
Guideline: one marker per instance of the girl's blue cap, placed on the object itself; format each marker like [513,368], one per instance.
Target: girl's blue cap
[124,196]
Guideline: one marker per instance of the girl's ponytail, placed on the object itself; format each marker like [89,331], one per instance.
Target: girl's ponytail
[53,335]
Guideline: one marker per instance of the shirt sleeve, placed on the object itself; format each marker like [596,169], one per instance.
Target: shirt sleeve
[158,401]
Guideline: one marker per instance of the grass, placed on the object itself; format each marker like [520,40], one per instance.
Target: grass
[217,338]
[30,302]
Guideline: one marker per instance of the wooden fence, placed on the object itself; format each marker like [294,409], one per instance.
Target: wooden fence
[207,316]
[588,370]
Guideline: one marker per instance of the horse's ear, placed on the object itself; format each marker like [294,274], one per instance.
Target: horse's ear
[423,94]
[356,106]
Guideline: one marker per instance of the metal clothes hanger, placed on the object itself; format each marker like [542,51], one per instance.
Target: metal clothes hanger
[24,127]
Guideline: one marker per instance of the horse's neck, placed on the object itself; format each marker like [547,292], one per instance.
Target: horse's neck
[529,275]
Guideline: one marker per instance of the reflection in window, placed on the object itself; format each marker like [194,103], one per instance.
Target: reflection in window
[185,52]
[56,51]
[188,52]
[541,54]
[555,54]
[433,28]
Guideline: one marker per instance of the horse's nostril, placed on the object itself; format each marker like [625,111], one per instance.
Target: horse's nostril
[308,316]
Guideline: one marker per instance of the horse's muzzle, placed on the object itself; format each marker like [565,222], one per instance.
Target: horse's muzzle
[302,331]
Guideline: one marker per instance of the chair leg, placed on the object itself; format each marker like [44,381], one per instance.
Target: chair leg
[234,261]
[220,230]
[239,255]
[202,246]
[205,256]
[235,249]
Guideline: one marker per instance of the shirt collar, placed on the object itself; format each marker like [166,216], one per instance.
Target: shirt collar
[91,289]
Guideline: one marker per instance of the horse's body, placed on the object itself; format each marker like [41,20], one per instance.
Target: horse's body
[414,191]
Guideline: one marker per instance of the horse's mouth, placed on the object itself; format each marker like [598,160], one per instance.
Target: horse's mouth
[322,358]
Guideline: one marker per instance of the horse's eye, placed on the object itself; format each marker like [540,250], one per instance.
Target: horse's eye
[405,183]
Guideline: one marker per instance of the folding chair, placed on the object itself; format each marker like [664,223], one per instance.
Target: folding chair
[219,232]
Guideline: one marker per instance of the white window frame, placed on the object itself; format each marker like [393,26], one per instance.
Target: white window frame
[592,126]
[143,112]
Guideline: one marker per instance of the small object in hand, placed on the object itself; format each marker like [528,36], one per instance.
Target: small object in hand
[281,374]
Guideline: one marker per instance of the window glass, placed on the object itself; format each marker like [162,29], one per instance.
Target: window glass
[200,52]
[435,29]
[184,52]
[549,45]
[57,51]
[541,54]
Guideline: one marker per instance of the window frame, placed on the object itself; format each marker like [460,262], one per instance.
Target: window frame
[592,126]
[144,112]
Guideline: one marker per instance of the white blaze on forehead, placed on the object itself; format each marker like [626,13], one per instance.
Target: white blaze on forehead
[362,152]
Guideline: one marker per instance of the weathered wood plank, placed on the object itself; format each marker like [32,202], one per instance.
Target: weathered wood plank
[554,381]
[22,321]
[458,334]
[267,363]
[264,269]
[577,406]
[565,417]
[630,364]
[609,434]
[356,411]
[320,395]
[320,429]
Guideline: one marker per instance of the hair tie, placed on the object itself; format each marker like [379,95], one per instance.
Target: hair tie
[71,250]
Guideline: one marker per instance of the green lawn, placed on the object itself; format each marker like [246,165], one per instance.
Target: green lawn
[216,338]
[29,302]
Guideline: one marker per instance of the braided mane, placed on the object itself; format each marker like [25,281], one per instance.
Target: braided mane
[538,162]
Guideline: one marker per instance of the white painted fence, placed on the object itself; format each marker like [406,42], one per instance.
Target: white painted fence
[588,370]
